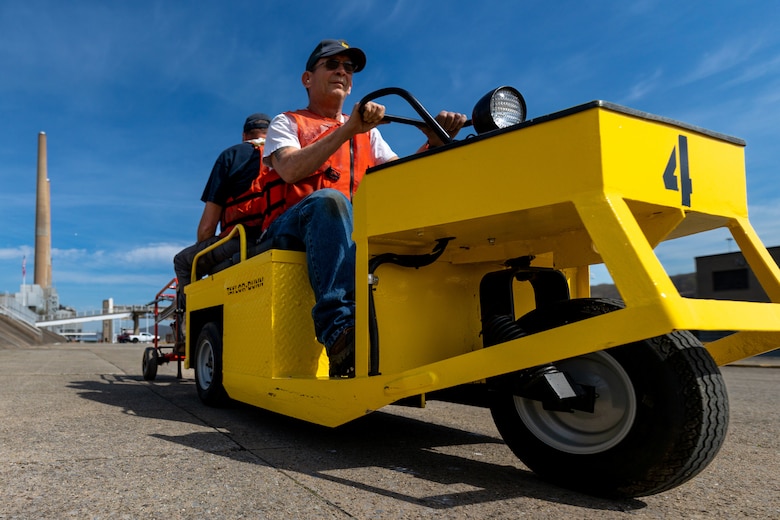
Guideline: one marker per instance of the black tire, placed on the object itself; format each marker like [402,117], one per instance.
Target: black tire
[208,366]
[149,363]
[135,340]
[660,418]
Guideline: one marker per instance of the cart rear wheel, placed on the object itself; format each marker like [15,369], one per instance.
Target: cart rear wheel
[149,363]
[208,366]
[660,415]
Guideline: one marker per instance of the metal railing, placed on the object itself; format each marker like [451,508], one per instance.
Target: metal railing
[10,307]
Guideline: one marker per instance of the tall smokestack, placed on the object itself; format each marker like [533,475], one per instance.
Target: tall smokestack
[42,220]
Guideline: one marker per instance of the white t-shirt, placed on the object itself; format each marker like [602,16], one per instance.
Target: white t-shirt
[283,132]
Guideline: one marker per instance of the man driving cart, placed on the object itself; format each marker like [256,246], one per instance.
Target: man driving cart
[317,157]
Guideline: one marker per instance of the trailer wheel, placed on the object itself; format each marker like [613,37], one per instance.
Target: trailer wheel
[149,363]
[208,366]
[660,416]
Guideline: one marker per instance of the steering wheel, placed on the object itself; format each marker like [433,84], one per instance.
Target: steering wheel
[427,119]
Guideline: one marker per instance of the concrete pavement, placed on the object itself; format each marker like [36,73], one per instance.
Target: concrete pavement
[83,436]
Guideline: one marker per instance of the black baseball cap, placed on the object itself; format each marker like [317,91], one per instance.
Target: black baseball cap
[258,120]
[328,48]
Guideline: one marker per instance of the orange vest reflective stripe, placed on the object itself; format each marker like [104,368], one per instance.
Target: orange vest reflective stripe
[342,171]
[247,208]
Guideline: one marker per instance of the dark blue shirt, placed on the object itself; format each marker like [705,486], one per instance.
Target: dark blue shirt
[233,173]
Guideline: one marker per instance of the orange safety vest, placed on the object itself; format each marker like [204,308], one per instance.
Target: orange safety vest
[246,208]
[342,171]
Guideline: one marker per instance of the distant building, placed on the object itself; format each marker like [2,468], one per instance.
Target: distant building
[728,276]
[42,300]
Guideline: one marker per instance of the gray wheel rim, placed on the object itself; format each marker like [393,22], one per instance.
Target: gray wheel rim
[205,365]
[581,432]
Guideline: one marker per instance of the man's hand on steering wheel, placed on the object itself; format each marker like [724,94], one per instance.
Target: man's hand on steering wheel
[451,122]
[366,117]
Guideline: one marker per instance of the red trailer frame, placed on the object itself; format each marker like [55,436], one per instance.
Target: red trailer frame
[159,354]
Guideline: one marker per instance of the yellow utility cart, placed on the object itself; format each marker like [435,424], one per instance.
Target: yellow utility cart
[472,285]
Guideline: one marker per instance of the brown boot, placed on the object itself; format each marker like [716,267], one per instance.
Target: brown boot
[342,354]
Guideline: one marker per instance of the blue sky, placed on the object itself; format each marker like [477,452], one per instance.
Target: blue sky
[138,98]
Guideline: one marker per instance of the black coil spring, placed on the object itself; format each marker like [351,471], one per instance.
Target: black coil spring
[500,328]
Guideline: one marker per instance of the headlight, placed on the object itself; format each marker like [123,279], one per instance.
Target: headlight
[498,108]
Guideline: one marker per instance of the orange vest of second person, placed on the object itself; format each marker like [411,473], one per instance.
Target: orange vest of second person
[247,208]
[342,171]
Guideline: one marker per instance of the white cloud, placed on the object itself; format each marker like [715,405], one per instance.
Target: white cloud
[730,55]
[760,69]
[116,279]
[73,255]
[153,253]
[643,87]
[19,252]
[146,256]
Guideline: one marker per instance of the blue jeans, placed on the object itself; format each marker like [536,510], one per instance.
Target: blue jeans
[323,222]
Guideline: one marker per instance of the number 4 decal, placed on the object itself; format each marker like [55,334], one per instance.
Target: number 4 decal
[670,178]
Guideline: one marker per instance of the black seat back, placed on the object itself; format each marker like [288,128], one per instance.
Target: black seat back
[286,242]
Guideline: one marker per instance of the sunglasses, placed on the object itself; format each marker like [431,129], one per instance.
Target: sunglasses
[334,64]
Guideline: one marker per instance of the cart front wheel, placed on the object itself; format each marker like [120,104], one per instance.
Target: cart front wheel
[149,363]
[660,415]
[208,366]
